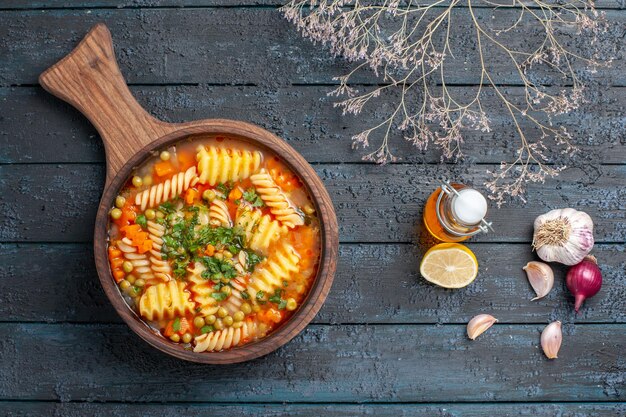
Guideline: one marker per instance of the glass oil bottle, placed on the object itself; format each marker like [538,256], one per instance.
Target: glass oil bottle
[455,212]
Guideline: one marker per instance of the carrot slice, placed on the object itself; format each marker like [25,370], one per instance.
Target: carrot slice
[118,275]
[131,230]
[235,194]
[144,246]
[164,168]
[169,329]
[190,196]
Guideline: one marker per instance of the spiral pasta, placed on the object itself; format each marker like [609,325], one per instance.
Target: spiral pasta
[235,300]
[165,301]
[260,230]
[276,200]
[219,165]
[160,267]
[167,190]
[201,290]
[140,261]
[218,214]
[226,338]
[271,273]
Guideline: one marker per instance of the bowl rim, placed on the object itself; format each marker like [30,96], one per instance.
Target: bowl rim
[328,232]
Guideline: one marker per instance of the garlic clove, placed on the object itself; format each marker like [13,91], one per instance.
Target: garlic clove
[551,339]
[479,324]
[541,278]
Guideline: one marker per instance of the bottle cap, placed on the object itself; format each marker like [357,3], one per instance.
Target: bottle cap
[469,206]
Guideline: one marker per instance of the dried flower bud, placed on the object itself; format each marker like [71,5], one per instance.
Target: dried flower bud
[479,324]
[551,339]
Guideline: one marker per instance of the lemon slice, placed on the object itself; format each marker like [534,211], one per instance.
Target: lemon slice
[450,265]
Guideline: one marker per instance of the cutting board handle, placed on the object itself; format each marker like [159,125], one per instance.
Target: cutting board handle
[89,79]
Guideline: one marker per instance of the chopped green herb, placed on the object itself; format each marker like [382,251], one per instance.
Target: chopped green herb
[285,283]
[219,296]
[207,329]
[253,260]
[141,221]
[167,207]
[224,188]
[260,295]
[245,295]
[176,325]
[276,297]
[253,198]
[217,268]
[185,239]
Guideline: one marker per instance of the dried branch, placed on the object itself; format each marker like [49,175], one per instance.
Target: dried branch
[409,45]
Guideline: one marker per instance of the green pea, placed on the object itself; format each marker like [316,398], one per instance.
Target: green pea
[228,321]
[165,156]
[124,284]
[226,290]
[218,325]
[120,201]
[245,307]
[209,195]
[238,316]
[227,254]
[140,282]
[127,266]
[147,180]
[131,278]
[116,213]
[291,304]
[137,181]
[221,312]
[150,214]
[160,215]
[237,324]
[256,308]
[210,319]
[175,338]
[187,337]
[198,322]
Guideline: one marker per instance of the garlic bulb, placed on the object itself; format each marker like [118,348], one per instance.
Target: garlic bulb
[479,324]
[541,278]
[563,235]
[551,339]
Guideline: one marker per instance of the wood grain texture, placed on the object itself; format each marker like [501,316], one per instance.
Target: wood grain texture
[152,49]
[57,203]
[323,364]
[89,79]
[392,361]
[120,4]
[36,127]
[36,409]
[373,284]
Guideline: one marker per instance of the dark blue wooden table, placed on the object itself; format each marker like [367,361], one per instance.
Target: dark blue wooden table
[386,343]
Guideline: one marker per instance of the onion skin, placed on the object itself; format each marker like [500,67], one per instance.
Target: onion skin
[584,280]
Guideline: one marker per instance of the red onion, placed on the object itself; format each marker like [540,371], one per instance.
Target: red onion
[584,280]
